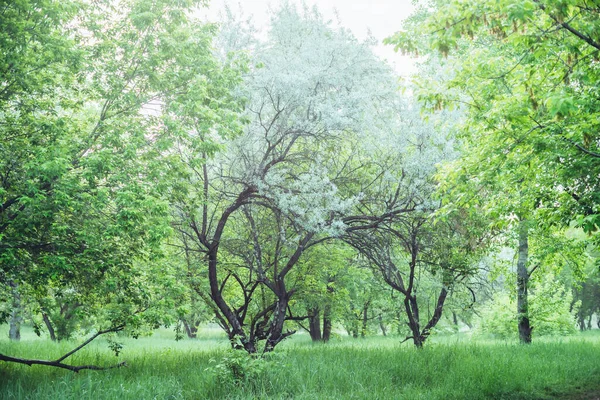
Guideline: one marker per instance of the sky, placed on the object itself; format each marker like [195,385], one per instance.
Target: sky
[379,17]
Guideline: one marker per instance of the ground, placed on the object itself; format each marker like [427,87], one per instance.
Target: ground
[449,367]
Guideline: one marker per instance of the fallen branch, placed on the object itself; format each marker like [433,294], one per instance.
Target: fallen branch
[58,363]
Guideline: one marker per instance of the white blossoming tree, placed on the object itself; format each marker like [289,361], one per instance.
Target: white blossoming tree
[330,150]
[317,103]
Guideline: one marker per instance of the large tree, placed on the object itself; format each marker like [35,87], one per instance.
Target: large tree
[82,205]
[526,73]
[315,100]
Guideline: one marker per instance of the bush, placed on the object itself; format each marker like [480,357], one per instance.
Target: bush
[240,369]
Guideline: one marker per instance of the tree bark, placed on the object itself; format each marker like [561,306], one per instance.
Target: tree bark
[365,319]
[49,326]
[326,323]
[190,330]
[14,332]
[522,284]
[412,312]
[275,334]
[314,324]
[382,325]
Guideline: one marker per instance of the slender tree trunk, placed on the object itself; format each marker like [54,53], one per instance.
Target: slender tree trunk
[522,284]
[49,326]
[14,332]
[382,325]
[412,312]
[236,330]
[326,323]
[190,330]
[581,322]
[365,319]
[454,318]
[314,324]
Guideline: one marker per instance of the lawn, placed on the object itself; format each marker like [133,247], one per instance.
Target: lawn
[449,367]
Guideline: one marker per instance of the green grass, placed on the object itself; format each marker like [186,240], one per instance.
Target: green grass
[449,367]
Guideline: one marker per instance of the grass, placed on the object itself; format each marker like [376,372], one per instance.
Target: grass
[375,368]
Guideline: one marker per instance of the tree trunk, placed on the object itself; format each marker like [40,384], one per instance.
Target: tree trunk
[581,321]
[314,324]
[49,326]
[190,330]
[237,336]
[275,334]
[365,319]
[326,323]
[412,312]
[382,325]
[454,318]
[522,284]
[14,332]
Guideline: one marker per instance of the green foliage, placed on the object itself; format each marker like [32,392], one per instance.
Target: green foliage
[238,369]
[86,95]
[525,72]
[551,311]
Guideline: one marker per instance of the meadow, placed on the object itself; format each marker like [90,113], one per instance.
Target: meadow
[449,367]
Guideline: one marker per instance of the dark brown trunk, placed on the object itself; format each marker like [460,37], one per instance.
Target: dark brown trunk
[314,324]
[235,329]
[412,312]
[275,334]
[237,336]
[522,284]
[418,341]
[49,326]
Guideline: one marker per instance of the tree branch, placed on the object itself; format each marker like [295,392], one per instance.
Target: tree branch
[58,362]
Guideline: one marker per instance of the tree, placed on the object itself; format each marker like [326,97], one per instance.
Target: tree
[82,155]
[314,98]
[525,74]
[403,252]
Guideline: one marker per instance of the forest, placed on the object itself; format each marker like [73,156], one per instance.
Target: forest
[198,210]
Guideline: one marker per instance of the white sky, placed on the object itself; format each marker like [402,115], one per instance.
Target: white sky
[381,17]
